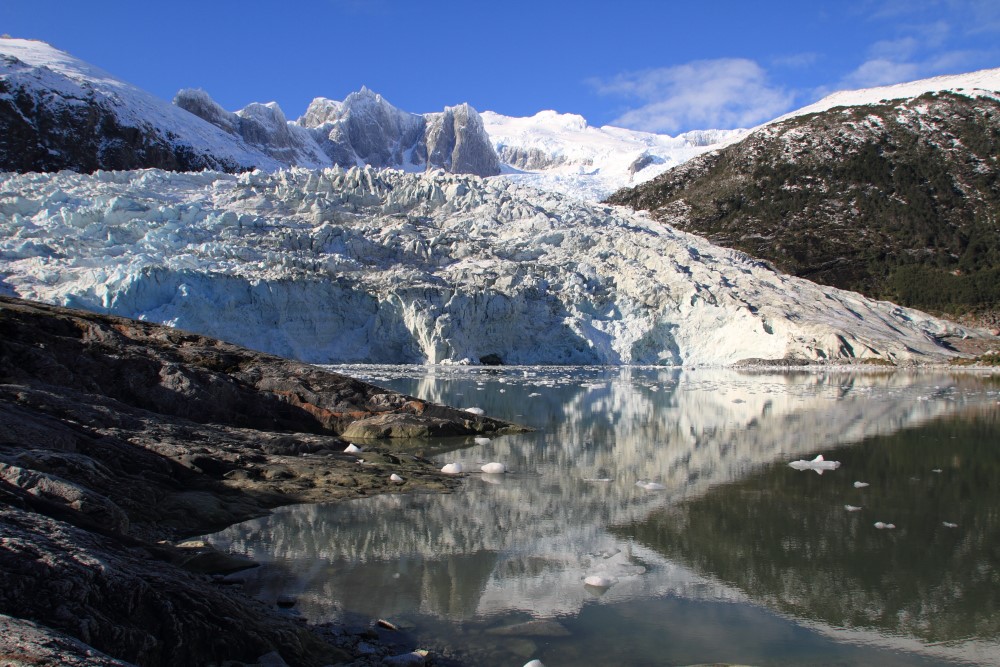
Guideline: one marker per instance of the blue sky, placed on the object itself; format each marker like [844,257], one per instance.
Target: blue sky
[661,66]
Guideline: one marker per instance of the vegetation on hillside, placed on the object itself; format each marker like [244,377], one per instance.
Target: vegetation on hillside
[898,200]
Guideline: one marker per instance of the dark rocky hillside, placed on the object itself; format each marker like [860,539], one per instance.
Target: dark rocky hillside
[898,200]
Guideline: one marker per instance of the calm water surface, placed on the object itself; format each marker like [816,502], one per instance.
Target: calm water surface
[739,558]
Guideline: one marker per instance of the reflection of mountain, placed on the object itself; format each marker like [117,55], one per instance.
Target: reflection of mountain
[785,540]
[527,542]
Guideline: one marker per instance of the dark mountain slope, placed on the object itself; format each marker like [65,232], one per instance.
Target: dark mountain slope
[898,200]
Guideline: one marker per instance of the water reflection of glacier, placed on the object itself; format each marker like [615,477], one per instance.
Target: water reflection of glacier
[525,541]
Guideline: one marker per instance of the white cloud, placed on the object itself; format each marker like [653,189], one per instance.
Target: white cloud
[723,93]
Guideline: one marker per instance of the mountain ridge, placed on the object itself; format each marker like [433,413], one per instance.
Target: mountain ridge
[58,112]
[895,198]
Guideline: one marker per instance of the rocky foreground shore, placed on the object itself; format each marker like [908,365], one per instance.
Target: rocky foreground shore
[120,438]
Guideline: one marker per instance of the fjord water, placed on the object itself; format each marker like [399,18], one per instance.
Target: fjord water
[738,558]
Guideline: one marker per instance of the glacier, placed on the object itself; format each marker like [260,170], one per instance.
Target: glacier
[383,266]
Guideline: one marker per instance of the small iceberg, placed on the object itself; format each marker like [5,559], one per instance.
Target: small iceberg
[494,468]
[860,485]
[452,469]
[881,525]
[534,663]
[818,464]
[598,581]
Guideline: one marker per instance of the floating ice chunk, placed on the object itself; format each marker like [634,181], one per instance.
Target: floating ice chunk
[534,663]
[852,508]
[948,524]
[818,464]
[650,486]
[532,395]
[476,411]
[860,485]
[396,479]
[937,470]
[494,468]
[598,581]
[352,449]
[452,469]
[881,525]
[482,441]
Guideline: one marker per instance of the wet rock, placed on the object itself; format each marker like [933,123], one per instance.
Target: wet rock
[405,426]
[24,643]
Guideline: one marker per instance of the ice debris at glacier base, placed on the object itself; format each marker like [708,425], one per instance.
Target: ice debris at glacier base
[818,465]
[362,265]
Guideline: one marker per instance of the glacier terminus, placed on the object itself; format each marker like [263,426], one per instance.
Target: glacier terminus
[363,265]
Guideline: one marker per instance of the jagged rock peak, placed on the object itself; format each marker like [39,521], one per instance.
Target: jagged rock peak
[262,126]
[457,141]
[321,110]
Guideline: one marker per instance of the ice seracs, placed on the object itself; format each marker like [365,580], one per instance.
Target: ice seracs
[423,268]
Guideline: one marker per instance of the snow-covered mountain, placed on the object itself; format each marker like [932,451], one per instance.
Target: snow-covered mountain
[561,152]
[385,266]
[364,129]
[58,112]
[972,84]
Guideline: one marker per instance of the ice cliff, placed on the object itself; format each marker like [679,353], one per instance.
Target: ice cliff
[385,266]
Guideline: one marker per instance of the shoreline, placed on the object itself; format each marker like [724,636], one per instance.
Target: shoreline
[120,439]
